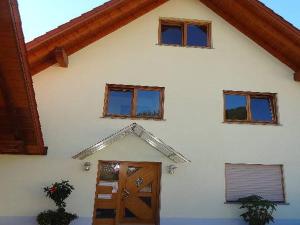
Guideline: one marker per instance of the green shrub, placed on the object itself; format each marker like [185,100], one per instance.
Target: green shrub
[58,192]
[58,217]
[259,211]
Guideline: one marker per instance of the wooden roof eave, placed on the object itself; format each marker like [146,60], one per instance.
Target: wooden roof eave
[263,26]
[17,89]
[87,28]
[251,17]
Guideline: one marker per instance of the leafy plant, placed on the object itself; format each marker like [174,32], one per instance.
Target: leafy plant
[58,192]
[58,217]
[259,211]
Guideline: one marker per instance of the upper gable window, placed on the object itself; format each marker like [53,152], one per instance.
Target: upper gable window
[250,107]
[128,101]
[185,33]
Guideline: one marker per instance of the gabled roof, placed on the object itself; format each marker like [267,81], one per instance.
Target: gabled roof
[20,131]
[251,17]
[139,131]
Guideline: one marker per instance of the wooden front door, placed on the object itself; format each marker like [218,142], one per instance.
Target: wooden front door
[127,193]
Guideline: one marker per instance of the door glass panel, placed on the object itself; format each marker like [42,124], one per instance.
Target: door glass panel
[146,200]
[146,189]
[128,214]
[131,170]
[105,196]
[109,171]
[105,213]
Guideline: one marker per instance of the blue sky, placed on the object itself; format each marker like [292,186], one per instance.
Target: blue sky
[40,16]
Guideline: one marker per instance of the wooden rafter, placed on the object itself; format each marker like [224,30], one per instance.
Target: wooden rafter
[297,76]
[21,132]
[61,57]
[11,111]
[267,29]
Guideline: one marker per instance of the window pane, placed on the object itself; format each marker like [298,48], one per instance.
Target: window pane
[120,102]
[171,34]
[148,103]
[236,107]
[197,35]
[261,109]
[105,213]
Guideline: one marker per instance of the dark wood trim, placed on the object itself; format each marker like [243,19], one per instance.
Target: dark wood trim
[267,29]
[159,168]
[297,76]
[21,119]
[283,184]
[11,110]
[61,57]
[183,23]
[265,26]
[134,89]
[249,94]
[86,29]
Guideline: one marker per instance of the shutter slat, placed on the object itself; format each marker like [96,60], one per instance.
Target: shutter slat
[243,180]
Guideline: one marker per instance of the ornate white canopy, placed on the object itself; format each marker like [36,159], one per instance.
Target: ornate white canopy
[139,131]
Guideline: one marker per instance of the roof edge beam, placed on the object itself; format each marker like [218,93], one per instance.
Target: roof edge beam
[297,76]
[61,57]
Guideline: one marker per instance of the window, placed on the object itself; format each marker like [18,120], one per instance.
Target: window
[250,107]
[185,33]
[134,101]
[243,180]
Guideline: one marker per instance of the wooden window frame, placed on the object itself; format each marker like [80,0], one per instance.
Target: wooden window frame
[249,95]
[253,164]
[184,23]
[134,89]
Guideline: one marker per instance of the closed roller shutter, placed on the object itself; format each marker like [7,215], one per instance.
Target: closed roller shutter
[243,180]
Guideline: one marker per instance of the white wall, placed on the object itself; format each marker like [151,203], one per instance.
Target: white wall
[70,103]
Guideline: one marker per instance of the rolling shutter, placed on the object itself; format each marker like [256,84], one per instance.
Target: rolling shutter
[243,180]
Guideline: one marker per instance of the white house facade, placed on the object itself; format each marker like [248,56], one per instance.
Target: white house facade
[214,150]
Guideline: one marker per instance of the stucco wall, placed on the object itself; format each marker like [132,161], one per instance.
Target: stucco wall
[70,103]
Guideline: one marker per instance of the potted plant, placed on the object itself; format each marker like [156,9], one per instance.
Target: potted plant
[259,211]
[58,192]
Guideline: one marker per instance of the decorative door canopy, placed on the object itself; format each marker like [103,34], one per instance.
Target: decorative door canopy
[139,131]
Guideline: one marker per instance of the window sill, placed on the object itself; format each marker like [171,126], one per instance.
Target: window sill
[238,203]
[185,46]
[252,123]
[132,118]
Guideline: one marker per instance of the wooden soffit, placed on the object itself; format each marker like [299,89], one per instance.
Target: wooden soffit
[262,25]
[20,131]
[85,29]
[251,17]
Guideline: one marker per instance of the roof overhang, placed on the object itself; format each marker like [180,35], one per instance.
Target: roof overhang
[85,29]
[138,131]
[251,17]
[20,131]
[272,32]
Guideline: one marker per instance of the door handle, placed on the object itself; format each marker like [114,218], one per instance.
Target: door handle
[125,194]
